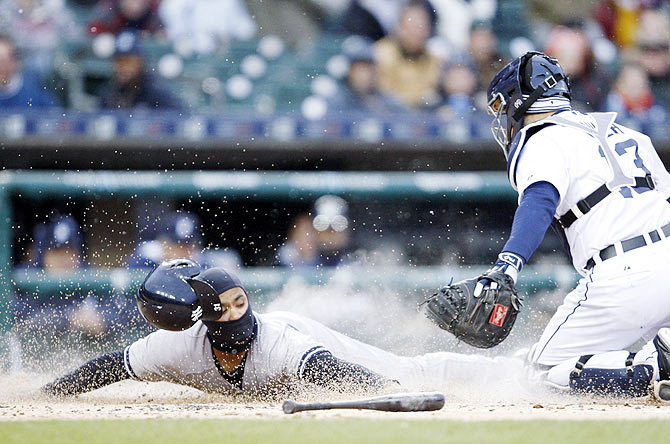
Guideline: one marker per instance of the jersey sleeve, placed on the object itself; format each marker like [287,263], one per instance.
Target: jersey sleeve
[542,160]
[290,352]
[151,357]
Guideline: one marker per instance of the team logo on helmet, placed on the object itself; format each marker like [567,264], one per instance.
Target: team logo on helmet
[518,103]
[196,314]
[217,307]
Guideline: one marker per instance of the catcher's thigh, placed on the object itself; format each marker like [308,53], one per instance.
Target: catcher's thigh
[620,301]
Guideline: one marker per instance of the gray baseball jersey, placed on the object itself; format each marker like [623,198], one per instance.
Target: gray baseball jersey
[276,359]
[277,355]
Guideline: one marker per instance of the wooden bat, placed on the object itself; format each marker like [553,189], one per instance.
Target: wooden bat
[397,402]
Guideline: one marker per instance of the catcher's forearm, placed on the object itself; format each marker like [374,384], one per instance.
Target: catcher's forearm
[326,370]
[98,372]
[532,219]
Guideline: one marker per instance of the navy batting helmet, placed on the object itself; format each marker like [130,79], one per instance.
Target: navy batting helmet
[173,298]
[532,83]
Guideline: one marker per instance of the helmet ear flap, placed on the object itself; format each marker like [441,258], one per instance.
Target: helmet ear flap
[513,125]
[209,300]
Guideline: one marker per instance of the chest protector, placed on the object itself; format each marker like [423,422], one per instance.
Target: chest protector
[599,130]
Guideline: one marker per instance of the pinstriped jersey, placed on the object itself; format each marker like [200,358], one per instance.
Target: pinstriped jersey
[277,355]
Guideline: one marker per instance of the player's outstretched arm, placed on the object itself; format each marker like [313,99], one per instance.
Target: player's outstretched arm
[531,221]
[482,311]
[98,372]
[325,370]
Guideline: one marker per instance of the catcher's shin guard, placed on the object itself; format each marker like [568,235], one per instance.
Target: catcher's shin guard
[629,381]
[662,386]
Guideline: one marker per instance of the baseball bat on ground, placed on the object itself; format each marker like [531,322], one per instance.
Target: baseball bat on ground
[397,402]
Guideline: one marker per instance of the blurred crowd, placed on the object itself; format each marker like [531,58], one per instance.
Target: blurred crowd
[390,56]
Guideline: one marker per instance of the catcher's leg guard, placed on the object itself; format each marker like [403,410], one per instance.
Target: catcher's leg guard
[662,386]
[631,381]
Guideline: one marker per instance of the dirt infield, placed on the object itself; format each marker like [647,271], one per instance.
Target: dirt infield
[136,400]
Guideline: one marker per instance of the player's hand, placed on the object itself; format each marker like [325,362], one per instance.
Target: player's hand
[508,263]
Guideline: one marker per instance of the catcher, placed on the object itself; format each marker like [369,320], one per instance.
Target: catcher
[212,340]
[605,189]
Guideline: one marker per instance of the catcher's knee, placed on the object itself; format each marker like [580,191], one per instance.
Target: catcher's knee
[607,374]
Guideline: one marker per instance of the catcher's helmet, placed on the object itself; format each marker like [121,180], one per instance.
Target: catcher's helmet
[532,83]
[173,298]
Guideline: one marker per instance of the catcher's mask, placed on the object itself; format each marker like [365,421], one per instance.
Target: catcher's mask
[532,83]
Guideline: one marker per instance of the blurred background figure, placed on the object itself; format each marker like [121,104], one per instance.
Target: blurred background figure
[653,52]
[631,94]
[174,235]
[456,17]
[117,16]
[37,26]
[319,239]
[300,249]
[458,85]
[620,19]
[58,245]
[58,250]
[297,22]
[20,88]
[589,83]
[407,70]
[544,15]
[373,19]
[484,55]
[361,88]
[132,86]
[203,25]
[170,236]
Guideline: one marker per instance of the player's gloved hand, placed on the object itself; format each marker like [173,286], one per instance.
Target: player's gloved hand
[508,263]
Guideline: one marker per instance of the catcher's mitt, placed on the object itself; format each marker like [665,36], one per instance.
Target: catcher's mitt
[483,321]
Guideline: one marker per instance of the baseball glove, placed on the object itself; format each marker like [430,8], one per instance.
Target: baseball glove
[483,321]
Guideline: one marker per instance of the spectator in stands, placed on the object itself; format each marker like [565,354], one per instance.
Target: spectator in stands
[631,94]
[620,20]
[205,24]
[132,86]
[117,16]
[179,234]
[589,84]
[456,17]
[20,88]
[544,15]
[406,69]
[373,19]
[361,90]
[653,52]
[485,58]
[321,239]
[37,27]
[458,85]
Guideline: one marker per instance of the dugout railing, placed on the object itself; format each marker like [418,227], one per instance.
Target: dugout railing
[480,186]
